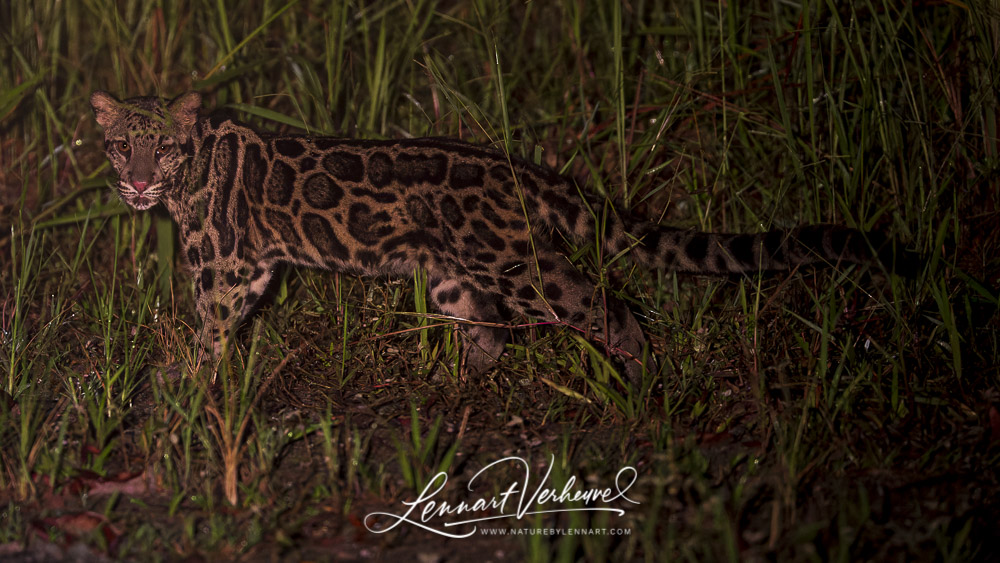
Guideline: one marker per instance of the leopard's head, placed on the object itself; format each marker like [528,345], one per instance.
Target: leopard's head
[147,141]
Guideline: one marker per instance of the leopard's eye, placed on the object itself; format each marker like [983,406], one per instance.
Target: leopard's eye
[123,147]
[163,149]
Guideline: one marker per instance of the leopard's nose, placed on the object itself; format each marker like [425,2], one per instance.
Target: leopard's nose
[140,186]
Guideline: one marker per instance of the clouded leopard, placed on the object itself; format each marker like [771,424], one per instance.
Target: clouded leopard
[479,222]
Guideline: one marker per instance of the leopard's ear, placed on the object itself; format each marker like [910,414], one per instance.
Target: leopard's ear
[107,109]
[184,109]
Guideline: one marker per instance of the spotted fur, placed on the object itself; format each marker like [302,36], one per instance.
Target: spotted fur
[479,222]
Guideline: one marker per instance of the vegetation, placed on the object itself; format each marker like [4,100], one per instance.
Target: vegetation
[838,414]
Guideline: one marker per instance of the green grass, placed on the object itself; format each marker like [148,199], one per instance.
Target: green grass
[824,414]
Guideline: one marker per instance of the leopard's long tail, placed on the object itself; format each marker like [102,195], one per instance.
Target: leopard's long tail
[778,250]
[690,251]
[683,250]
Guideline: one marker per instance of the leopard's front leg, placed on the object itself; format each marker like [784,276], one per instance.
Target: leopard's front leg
[224,294]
